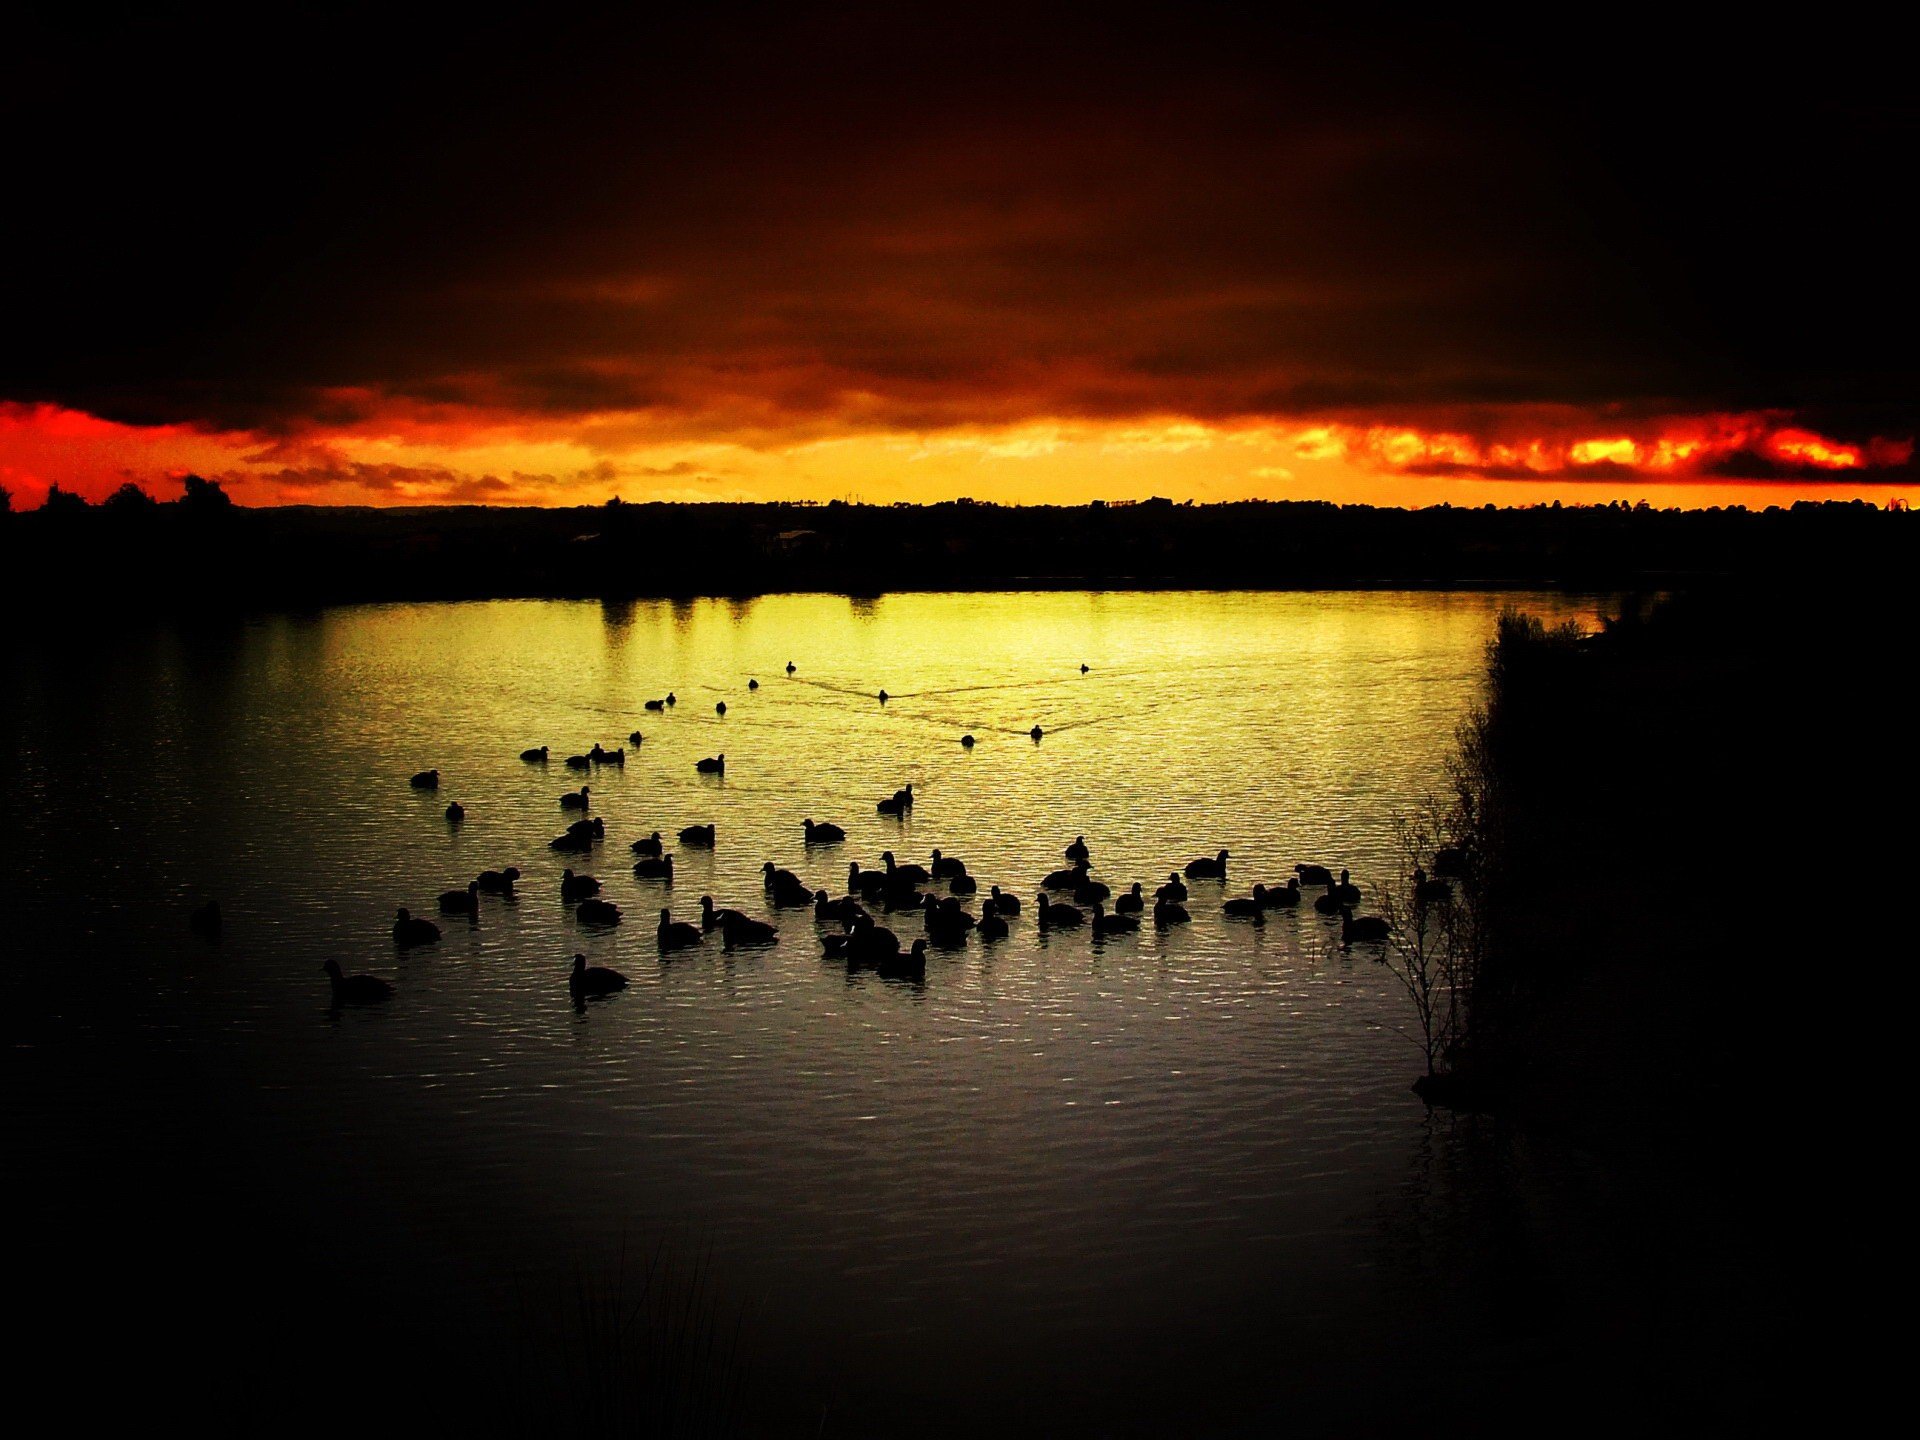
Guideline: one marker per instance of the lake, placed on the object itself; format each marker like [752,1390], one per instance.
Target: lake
[1163,1181]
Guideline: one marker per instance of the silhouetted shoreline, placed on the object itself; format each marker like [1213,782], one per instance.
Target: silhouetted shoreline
[211,553]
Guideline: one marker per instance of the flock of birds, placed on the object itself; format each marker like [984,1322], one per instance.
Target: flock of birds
[846,927]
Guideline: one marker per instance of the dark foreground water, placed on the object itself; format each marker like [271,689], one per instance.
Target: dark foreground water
[1163,1183]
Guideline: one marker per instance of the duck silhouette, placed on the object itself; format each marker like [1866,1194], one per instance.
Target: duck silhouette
[720,708]
[597,912]
[534,756]
[673,934]
[587,980]
[654,867]
[426,780]
[991,926]
[753,684]
[1174,890]
[1208,869]
[1282,897]
[912,965]
[1077,851]
[656,705]
[1344,888]
[579,762]
[497,882]
[648,845]
[791,667]
[577,887]
[1131,903]
[1116,924]
[636,739]
[410,930]
[744,930]
[904,874]
[712,765]
[356,989]
[1248,907]
[576,799]
[461,902]
[1053,916]
[712,918]
[823,833]
[967,741]
[456,812]
[1169,912]
[1004,904]
[701,835]
[1368,929]
[1036,733]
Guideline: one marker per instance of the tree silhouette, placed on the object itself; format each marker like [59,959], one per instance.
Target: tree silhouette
[129,499]
[63,502]
[204,496]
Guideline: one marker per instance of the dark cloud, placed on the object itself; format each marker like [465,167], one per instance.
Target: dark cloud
[752,221]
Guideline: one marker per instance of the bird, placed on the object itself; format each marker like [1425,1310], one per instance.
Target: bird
[456,812]
[1036,733]
[1004,904]
[1174,890]
[785,888]
[1313,874]
[656,705]
[654,867]
[910,966]
[1077,851]
[497,882]
[791,667]
[825,833]
[575,799]
[648,845]
[1248,907]
[753,684]
[534,756]
[1281,897]
[1065,879]
[1131,903]
[991,926]
[909,874]
[597,912]
[712,765]
[635,738]
[608,757]
[945,867]
[674,934]
[587,980]
[697,835]
[574,842]
[1105,924]
[1208,869]
[1052,915]
[410,930]
[720,708]
[1428,890]
[1167,912]
[967,741]
[1330,903]
[426,780]
[883,697]
[579,762]
[356,989]
[865,883]
[1087,890]
[962,884]
[461,902]
[1084,668]
[1367,929]
[869,944]
[672,699]
[945,920]
[577,887]
[712,918]
[740,929]
[1348,892]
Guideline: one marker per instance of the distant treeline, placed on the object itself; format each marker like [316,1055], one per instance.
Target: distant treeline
[203,549]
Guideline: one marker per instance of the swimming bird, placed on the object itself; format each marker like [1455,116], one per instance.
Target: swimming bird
[1167,912]
[1282,897]
[910,966]
[701,835]
[1088,890]
[753,684]
[635,739]
[579,762]
[825,833]
[426,780]
[1330,903]
[962,884]
[945,920]
[608,757]
[712,765]
[656,705]
[672,699]
[1077,852]
[648,845]
[654,867]
[903,874]
[883,697]
[943,867]
[589,980]
[1174,890]
[1428,891]
[577,887]
[991,926]
[867,883]
[597,912]
[785,887]
[720,708]
[1036,733]
[497,882]
[1105,924]
[535,755]
[456,812]
[575,799]
[1313,874]
[1205,869]
[1366,930]
[1248,907]
[1348,892]
[712,918]
[1005,904]
[967,741]
[590,829]
[1052,915]
[409,930]
[356,989]
[870,944]
[743,930]
[1084,669]
[1131,903]
[1066,879]
[572,843]
[674,934]
[791,667]
[461,902]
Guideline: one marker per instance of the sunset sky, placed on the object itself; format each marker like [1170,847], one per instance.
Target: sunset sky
[1014,253]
